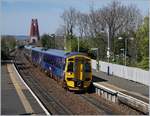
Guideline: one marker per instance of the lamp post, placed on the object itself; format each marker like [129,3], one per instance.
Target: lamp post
[54,39]
[78,44]
[108,49]
[65,39]
[149,42]
[97,66]
[125,50]
[108,46]
[64,42]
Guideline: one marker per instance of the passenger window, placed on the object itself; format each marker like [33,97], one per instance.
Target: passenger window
[87,67]
[63,66]
[70,67]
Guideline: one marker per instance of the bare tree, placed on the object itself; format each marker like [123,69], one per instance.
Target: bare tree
[61,30]
[69,18]
[94,23]
[82,23]
[118,18]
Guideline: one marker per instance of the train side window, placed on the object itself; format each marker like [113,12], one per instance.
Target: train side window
[63,66]
[44,58]
[70,67]
[48,60]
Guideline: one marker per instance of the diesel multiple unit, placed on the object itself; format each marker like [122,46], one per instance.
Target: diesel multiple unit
[72,69]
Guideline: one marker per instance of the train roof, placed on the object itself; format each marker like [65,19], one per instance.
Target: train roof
[27,46]
[38,49]
[56,52]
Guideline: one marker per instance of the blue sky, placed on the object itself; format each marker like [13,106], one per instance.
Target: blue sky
[17,14]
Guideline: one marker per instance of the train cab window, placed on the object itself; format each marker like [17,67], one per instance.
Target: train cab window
[71,59]
[87,67]
[70,67]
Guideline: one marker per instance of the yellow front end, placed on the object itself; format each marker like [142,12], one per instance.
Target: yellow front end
[78,73]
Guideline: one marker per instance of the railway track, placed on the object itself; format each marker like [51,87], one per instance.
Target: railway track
[58,107]
[109,107]
[51,104]
[97,105]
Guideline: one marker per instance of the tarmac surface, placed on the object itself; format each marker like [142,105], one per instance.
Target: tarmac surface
[134,89]
[16,99]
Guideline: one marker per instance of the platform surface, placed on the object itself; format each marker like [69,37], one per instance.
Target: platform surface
[16,99]
[128,87]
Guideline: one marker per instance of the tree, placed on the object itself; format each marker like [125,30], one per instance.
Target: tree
[8,43]
[48,41]
[69,18]
[142,38]
[95,22]
[61,31]
[119,19]
[82,24]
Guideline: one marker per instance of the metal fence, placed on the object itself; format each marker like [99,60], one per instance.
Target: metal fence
[131,73]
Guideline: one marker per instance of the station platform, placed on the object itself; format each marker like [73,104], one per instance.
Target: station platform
[16,99]
[128,87]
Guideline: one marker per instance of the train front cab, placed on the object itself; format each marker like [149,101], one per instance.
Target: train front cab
[78,72]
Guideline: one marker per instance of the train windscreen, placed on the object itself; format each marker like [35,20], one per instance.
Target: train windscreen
[70,67]
[85,62]
[87,67]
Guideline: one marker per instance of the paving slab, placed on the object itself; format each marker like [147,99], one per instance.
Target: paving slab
[11,103]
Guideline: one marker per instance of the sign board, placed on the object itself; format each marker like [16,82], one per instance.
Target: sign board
[108,54]
[94,48]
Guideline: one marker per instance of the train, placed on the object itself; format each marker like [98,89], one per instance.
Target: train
[72,69]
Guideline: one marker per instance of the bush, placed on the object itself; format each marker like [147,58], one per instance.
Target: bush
[8,43]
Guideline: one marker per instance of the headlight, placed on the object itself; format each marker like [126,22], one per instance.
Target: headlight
[69,73]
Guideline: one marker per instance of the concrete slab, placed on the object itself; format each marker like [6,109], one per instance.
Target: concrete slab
[10,102]
[125,86]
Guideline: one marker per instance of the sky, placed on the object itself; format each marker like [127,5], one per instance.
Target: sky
[16,15]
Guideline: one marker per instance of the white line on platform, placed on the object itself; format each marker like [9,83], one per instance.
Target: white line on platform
[19,91]
[42,106]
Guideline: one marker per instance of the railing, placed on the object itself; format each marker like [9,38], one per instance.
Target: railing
[131,73]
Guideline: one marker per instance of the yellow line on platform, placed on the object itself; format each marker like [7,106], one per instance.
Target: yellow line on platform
[13,77]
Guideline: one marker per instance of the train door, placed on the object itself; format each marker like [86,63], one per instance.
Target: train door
[69,73]
[83,69]
[79,69]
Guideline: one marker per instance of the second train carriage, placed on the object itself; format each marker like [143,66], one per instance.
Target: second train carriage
[27,52]
[37,55]
[72,69]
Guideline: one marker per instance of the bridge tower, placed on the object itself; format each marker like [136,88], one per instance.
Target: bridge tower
[34,31]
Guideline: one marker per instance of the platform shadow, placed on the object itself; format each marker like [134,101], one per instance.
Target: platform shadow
[98,79]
